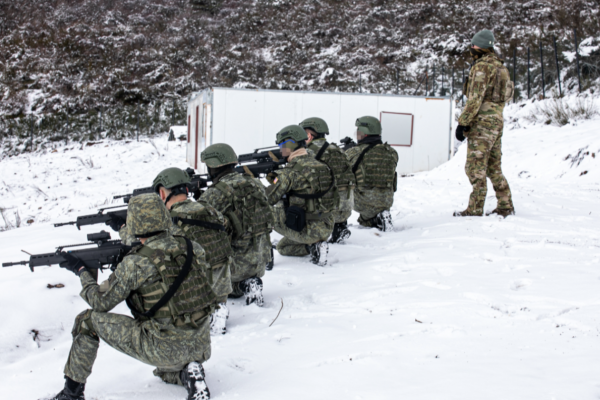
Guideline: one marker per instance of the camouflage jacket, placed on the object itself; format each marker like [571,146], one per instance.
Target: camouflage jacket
[335,158]
[488,88]
[131,275]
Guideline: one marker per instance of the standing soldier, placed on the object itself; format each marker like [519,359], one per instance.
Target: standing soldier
[242,200]
[171,327]
[203,224]
[488,88]
[374,165]
[334,157]
[304,196]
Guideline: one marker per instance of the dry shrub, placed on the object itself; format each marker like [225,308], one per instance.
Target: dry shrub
[558,112]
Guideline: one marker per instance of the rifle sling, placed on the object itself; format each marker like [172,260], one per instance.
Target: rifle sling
[195,222]
[362,155]
[185,270]
[321,151]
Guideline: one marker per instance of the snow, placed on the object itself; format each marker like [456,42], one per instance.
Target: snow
[442,307]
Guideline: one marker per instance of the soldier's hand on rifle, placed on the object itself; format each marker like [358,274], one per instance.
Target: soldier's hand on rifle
[460,130]
[116,223]
[72,263]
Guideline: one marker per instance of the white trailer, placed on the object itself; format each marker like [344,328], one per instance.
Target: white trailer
[419,128]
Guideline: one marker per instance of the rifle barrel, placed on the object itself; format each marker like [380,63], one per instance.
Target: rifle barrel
[10,264]
[65,223]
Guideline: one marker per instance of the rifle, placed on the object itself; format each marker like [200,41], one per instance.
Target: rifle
[97,218]
[107,252]
[348,143]
[259,164]
[197,182]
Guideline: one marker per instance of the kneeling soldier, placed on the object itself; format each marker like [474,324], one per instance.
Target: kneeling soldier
[334,157]
[242,200]
[203,224]
[374,165]
[170,329]
[305,195]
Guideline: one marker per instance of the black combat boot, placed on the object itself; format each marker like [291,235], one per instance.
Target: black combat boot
[318,253]
[252,288]
[218,320]
[192,377]
[383,221]
[503,212]
[340,232]
[72,391]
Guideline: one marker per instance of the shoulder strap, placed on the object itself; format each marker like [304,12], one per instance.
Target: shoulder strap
[185,270]
[195,222]
[362,155]
[321,151]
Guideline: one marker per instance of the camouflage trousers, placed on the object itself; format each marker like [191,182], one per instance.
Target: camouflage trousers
[484,160]
[294,243]
[370,202]
[168,348]
[220,280]
[346,204]
[250,257]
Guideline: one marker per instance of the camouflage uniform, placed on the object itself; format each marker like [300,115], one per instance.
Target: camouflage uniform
[251,253]
[488,88]
[370,200]
[318,229]
[216,244]
[169,345]
[344,179]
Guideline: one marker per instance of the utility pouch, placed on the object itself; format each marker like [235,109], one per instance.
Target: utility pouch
[295,218]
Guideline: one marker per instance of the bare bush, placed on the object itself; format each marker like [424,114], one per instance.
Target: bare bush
[558,111]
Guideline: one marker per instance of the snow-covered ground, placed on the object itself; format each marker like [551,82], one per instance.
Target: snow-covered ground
[441,308]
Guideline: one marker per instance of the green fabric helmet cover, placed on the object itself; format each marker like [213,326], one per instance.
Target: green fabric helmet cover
[294,132]
[484,39]
[369,125]
[147,214]
[218,154]
[316,124]
[170,178]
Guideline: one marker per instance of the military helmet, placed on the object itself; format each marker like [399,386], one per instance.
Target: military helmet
[146,214]
[217,155]
[316,124]
[369,125]
[294,132]
[170,178]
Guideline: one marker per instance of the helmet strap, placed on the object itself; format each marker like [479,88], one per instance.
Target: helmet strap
[182,189]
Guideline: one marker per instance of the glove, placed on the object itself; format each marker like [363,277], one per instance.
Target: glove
[116,223]
[71,263]
[460,130]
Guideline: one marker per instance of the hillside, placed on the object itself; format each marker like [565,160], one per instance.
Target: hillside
[442,307]
[91,68]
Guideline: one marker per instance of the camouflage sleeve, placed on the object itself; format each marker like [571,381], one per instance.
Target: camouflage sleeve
[130,274]
[282,185]
[479,79]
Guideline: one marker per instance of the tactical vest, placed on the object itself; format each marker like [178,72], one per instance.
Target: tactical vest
[251,214]
[335,159]
[377,168]
[192,300]
[208,233]
[325,197]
